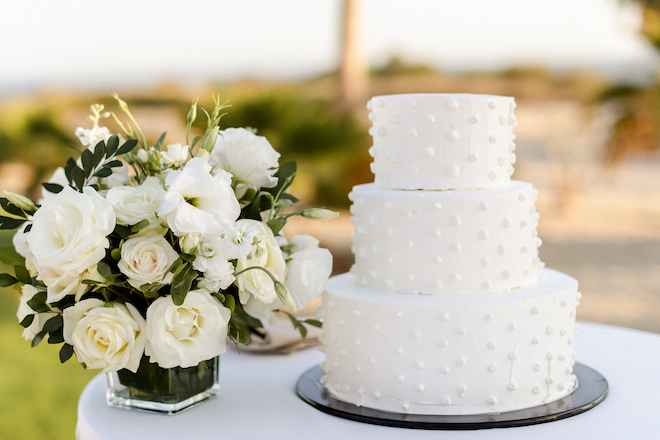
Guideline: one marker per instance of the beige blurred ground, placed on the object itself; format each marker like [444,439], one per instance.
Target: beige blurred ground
[600,225]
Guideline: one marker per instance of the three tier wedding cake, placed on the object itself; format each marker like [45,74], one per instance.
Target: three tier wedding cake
[447,309]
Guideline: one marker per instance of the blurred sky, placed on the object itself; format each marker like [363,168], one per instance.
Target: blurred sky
[83,43]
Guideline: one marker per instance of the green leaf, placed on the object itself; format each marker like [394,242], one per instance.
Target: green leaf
[285,175]
[127,147]
[160,142]
[276,225]
[10,208]
[122,231]
[56,338]
[66,352]
[104,269]
[38,303]
[219,296]
[54,323]
[10,257]
[68,170]
[99,153]
[87,159]
[230,303]
[11,223]
[27,321]
[113,164]
[181,284]
[112,145]
[302,329]
[7,280]
[103,172]
[139,226]
[287,196]
[22,274]
[54,188]
[195,140]
[313,322]
[78,177]
[37,338]
[115,254]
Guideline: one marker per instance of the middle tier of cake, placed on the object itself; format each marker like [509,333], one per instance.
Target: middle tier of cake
[445,242]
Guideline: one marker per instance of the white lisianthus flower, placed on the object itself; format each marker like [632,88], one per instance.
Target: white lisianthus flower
[19,240]
[185,335]
[60,284]
[176,155]
[110,338]
[308,271]
[265,253]
[69,232]
[132,204]
[146,259]
[89,138]
[302,242]
[195,201]
[261,311]
[249,158]
[27,292]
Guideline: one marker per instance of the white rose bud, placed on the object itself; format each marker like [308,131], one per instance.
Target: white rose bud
[27,292]
[185,335]
[176,155]
[307,274]
[146,260]
[265,253]
[110,338]
[190,242]
[143,155]
[69,232]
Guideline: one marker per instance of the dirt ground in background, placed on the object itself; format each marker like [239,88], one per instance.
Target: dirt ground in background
[599,225]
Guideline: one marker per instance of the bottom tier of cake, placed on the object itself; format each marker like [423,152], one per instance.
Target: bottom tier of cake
[468,354]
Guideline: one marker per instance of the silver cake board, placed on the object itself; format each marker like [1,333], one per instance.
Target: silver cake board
[591,390]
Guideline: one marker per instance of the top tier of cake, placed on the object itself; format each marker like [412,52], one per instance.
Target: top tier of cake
[442,141]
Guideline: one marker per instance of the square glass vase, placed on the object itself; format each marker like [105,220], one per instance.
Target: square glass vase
[163,390]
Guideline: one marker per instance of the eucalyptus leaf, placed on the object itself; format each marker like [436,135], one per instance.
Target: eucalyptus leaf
[68,170]
[115,254]
[181,283]
[53,324]
[38,303]
[37,338]
[103,172]
[27,321]
[56,338]
[11,223]
[66,352]
[127,147]
[230,303]
[87,159]
[104,269]
[122,231]
[99,153]
[139,226]
[112,145]
[7,280]
[22,274]
[78,177]
[54,188]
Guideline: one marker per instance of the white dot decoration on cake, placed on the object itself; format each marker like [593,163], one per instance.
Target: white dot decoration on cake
[448,309]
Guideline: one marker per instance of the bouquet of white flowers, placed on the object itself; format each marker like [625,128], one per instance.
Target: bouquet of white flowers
[141,255]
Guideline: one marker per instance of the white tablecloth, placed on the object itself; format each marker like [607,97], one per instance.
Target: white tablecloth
[258,401]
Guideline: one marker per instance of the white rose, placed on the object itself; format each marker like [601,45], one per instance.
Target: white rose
[69,231]
[89,138]
[302,242]
[307,273]
[176,155]
[119,177]
[146,259]
[265,253]
[132,204]
[195,201]
[248,157]
[60,284]
[185,335]
[27,292]
[110,338]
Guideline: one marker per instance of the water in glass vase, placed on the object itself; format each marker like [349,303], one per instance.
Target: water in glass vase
[164,390]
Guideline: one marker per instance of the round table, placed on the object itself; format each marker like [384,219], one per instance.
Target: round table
[258,400]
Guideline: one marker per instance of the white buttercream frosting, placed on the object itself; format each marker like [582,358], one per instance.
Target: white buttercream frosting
[442,141]
[445,242]
[465,354]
